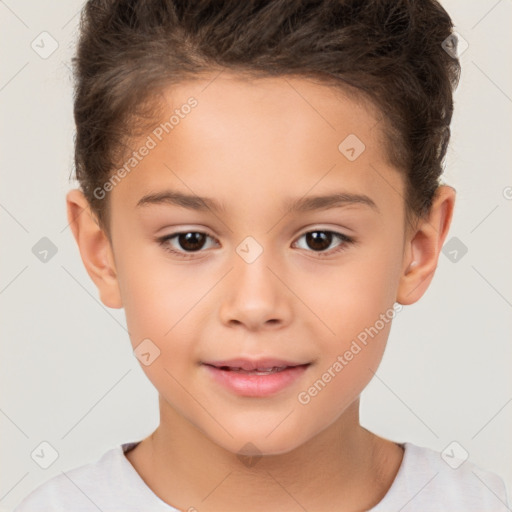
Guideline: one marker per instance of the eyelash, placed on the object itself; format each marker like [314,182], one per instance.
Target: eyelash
[189,255]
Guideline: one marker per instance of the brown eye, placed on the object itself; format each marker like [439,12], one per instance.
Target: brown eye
[186,243]
[192,241]
[320,240]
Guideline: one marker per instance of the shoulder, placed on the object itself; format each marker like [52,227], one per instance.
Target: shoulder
[431,481]
[83,488]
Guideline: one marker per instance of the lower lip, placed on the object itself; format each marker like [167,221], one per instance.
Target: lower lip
[246,384]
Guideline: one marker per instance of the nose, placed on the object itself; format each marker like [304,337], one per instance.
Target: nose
[254,295]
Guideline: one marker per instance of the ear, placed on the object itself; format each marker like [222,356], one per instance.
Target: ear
[95,248]
[423,245]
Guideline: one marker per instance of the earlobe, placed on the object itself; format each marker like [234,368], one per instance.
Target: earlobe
[423,247]
[95,248]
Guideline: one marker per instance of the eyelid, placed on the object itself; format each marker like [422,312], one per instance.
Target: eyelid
[345,240]
[165,239]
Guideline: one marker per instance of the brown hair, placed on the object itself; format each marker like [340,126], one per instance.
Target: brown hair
[390,51]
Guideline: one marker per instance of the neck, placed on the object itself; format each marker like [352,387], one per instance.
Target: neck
[345,467]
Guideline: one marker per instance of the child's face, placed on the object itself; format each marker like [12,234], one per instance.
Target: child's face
[257,286]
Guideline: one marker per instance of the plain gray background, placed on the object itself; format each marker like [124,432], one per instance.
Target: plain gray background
[67,370]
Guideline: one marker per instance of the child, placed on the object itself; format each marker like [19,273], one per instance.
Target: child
[220,145]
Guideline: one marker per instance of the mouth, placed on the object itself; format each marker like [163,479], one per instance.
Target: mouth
[256,378]
[257,371]
[255,366]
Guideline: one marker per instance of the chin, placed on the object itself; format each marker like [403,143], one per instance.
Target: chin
[256,442]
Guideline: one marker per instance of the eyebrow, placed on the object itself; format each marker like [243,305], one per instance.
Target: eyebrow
[303,204]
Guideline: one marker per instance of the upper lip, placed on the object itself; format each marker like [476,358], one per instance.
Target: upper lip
[253,364]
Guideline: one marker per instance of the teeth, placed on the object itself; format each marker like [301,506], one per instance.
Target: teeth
[258,371]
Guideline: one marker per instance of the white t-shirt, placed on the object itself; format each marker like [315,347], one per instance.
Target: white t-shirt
[424,483]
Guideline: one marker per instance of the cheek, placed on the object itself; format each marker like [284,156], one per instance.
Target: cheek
[354,306]
[163,305]
[156,296]
[348,298]
[343,373]
[159,312]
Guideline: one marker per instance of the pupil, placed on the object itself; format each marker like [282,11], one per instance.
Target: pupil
[189,241]
[317,240]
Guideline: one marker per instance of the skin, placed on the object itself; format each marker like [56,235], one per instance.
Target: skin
[251,146]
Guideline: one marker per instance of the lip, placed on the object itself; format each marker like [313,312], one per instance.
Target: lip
[255,384]
[253,364]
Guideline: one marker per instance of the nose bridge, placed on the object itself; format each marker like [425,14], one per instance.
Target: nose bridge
[254,296]
[251,273]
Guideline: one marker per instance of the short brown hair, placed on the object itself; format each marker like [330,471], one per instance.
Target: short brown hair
[389,51]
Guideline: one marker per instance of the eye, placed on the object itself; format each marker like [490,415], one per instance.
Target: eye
[189,241]
[320,240]
[185,243]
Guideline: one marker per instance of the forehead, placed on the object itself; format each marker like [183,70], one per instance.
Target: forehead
[266,105]
[280,136]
